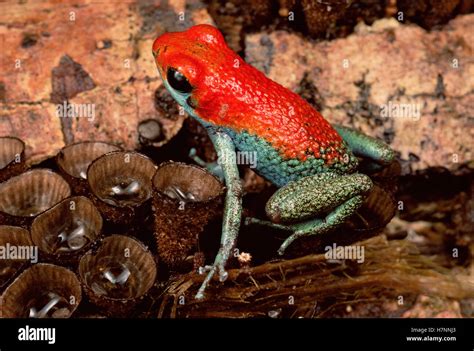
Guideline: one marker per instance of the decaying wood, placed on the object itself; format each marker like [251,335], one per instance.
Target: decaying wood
[391,269]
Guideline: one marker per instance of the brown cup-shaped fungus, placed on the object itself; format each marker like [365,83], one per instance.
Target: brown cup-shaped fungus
[118,274]
[185,198]
[25,196]
[64,232]
[16,246]
[377,210]
[74,159]
[12,157]
[121,185]
[42,291]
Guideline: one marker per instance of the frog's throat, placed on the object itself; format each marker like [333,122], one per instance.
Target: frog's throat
[181,99]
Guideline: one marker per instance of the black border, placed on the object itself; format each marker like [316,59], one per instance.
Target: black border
[317,334]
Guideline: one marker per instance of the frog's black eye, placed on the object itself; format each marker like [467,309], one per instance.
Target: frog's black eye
[178,81]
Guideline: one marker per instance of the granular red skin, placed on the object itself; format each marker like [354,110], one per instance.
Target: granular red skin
[231,93]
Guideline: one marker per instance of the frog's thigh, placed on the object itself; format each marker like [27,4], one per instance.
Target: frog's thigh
[314,196]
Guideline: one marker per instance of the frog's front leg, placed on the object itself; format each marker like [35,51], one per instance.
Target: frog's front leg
[233,205]
[315,204]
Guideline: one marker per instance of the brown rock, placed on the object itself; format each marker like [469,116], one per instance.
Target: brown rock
[433,307]
[59,31]
[370,72]
[68,80]
[98,55]
[37,124]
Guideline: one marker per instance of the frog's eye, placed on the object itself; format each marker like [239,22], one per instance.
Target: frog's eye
[178,81]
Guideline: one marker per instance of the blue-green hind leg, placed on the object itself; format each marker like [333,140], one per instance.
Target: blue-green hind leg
[321,226]
[232,209]
[269,224]
[316,226]
[315,204]
[365,146]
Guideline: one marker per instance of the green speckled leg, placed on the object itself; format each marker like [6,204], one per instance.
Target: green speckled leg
[366,146]
[321,226]
[232,209]
[258,221]
[295,206]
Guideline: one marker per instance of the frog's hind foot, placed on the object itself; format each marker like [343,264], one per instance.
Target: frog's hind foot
[316,204]
[262,222]
[322,226]
[312,227]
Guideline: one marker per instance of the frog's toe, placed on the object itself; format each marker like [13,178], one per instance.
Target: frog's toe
[223,275]
[204,269]
[200,295]
[288,242]
[257,221]
[192,152]
[201,292]
[213,167]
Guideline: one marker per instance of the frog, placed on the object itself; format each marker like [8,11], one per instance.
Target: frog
[313,164]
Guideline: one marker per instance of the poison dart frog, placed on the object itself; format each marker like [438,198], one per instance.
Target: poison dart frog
[313,163]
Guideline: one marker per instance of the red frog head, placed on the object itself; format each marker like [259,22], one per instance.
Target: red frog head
[216,86]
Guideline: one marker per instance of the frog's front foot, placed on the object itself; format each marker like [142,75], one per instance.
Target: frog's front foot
[204,269]
[212,167]
[211,271]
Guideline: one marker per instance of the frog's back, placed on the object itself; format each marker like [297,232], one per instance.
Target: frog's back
[290,137]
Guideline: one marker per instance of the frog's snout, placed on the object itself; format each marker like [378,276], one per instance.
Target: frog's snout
[160,45]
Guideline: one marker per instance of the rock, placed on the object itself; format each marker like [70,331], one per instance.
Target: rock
[68,80]
[433,307]
[409,87]
[96,57]
[37,124]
